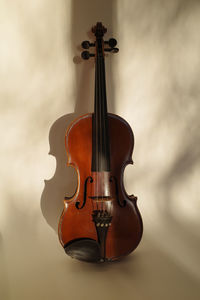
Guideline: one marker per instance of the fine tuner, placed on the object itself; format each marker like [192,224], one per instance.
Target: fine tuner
[86,45]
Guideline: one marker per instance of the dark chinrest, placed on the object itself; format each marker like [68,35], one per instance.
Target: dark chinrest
[84,249]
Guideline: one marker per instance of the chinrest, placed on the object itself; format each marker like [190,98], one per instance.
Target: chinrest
[84,249]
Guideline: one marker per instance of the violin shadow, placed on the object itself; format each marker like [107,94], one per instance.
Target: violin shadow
[64,179]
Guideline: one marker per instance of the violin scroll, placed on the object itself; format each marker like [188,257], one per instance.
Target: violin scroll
[99,30]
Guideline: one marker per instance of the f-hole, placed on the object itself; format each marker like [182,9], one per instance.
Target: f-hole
[89,178]
[121,204]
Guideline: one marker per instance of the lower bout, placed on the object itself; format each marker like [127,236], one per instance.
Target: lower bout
[86,240]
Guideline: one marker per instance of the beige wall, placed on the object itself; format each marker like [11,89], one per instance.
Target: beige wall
[154,84]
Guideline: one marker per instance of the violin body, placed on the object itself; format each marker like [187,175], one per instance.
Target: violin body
[126,228]
[100,222]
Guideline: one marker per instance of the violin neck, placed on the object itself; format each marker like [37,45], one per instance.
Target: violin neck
[100,137]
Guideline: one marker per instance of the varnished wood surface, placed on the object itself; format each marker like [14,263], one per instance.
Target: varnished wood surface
[126,230]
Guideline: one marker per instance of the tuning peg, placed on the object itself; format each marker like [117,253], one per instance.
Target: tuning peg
[112,42]
[113,50]
[86,54]
[87,44]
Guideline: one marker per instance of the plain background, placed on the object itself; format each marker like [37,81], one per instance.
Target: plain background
[153,82]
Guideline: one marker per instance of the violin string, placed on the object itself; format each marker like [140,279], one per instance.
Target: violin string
[99,132]
[104,120]
[99,136]
[100,127]
[96,132]
[103,128]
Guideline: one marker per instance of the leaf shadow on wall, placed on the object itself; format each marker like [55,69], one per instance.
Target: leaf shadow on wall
[64,181]
[177,189]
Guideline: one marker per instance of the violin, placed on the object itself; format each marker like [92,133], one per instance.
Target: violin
[100,222]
